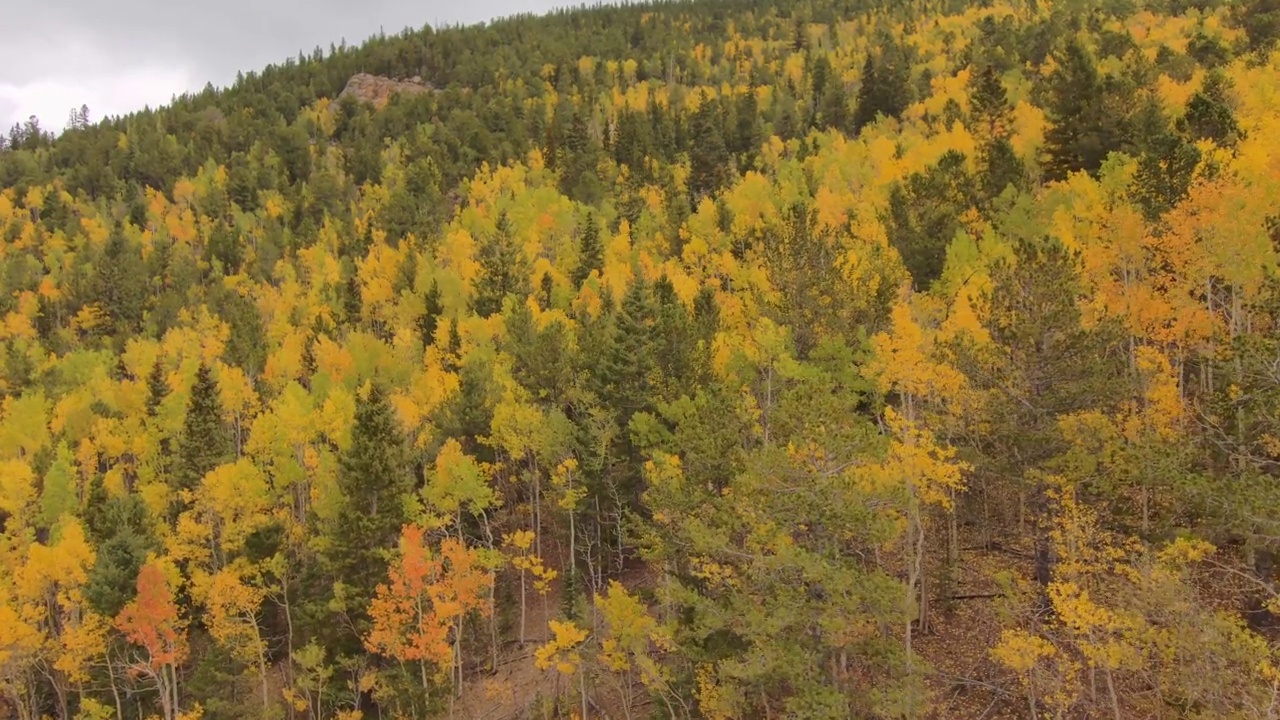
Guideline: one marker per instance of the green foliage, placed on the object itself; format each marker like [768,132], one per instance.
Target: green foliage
[504,269]
[1081,135]
[373,479]
[924,214]
[886,88]
[205,442]
[709,159]
[590,252]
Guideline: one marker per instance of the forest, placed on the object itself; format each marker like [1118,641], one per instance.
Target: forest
[726,359]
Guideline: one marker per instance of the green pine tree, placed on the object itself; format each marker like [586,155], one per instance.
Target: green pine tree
[504,270]
[430,317]
[591,252]
[1209,114]
[157,388]
[989,103]
[205,442]
[373,479]
[1083,130]
[709,161]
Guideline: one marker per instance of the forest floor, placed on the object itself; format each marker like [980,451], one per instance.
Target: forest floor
[964,682]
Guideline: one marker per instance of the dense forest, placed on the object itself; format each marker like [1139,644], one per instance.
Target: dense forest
[724,359]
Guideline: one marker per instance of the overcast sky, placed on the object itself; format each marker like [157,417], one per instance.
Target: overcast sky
[119,56]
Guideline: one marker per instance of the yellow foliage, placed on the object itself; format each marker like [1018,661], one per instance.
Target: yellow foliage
[1020,651]
[562,650]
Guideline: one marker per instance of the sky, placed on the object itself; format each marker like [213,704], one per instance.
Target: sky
[121,56]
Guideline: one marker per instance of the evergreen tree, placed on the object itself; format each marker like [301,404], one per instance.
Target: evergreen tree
[831,102]
[708,157]
[747,135]
[1166,165]
[373,479]
[121,284]
[1082,132]
[121,530]
[352,304]
[225,249]
[1048,364]
[454,354]
[629,366]
[886,86]
[503,270]
[579,162]
[1001,167]
[989,103]
[157,388]
[866,110]
[416,204]
[1261,22]
[205,442]
[1209,114]
[590,253]
[430,316]
[924,215]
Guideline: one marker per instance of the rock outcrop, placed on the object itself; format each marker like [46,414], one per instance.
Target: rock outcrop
[377,90]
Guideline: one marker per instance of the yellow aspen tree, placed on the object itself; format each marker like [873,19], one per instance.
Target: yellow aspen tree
[564,653]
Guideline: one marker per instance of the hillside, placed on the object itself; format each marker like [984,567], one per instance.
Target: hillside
[729,359]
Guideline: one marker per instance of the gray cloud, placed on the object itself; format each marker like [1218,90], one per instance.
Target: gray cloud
[117,57]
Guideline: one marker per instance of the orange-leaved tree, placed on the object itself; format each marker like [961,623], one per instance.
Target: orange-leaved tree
[427,596]
[151,622]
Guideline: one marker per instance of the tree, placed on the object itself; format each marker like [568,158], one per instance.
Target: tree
[562,653]
[1043,363]
[765,616]
[1209,114]
[503,269]
[428,596]
[924,216]
[372,480]
[633,646]
[709,161]
[120,286]
[1083,132]
[122,533]
[989,103]
[430,317]
[580,160]
[590,252]
[1261,22]
[885,88]
[1166,166]
[157,387]
[151,622]
[205,442]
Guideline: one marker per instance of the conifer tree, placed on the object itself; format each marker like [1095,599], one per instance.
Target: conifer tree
[708,157]
[1166,165]
[157,388]
[373,478]
[1083,132]
[205,442]
[591,252]
[430,316]
[1209,114]
[989,103]
[630,362]
[503,270]
[121,284]
[924,215]
[886,85]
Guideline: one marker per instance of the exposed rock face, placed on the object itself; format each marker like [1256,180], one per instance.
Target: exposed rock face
[378,90]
